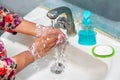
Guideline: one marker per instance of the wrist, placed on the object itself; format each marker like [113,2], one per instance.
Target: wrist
[37,50]
[38,30]
[28,54]
[33,53]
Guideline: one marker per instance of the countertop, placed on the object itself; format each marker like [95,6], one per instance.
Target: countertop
[113,62]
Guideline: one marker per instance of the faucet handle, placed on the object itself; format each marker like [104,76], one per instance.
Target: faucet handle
[64,24]
[61,23]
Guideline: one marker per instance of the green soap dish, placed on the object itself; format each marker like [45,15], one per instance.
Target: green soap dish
[103,51]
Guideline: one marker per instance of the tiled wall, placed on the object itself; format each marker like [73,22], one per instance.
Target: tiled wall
[107,8]
[111,27]
[22,7]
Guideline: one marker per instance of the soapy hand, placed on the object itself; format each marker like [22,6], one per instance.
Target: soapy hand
[49,38]
[60,38]
[43,31]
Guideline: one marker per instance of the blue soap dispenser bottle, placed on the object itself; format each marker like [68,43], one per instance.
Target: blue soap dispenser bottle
[87,35]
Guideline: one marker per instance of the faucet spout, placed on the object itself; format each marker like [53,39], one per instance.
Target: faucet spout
[54,13]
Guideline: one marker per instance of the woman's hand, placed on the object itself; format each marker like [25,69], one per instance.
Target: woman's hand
[49,38]
[43,31]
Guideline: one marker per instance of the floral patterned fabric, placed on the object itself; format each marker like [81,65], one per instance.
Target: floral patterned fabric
[7,69]
[7,65]
[8,22]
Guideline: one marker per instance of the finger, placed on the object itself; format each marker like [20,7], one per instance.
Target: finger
[59,31]
[46,50]
[50,34]
[51,40]
[50,47]
[52,44]
[44,41]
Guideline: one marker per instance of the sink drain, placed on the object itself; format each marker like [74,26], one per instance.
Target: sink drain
[57,68]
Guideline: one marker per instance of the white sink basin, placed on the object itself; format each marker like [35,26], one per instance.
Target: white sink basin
[79,65]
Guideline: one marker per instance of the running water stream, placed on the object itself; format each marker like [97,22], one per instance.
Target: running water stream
[59,65]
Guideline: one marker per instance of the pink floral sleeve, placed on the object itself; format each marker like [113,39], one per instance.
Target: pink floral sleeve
[9,20]
[7,69]
[7,65]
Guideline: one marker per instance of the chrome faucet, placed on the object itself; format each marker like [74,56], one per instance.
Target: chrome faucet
[63,22]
